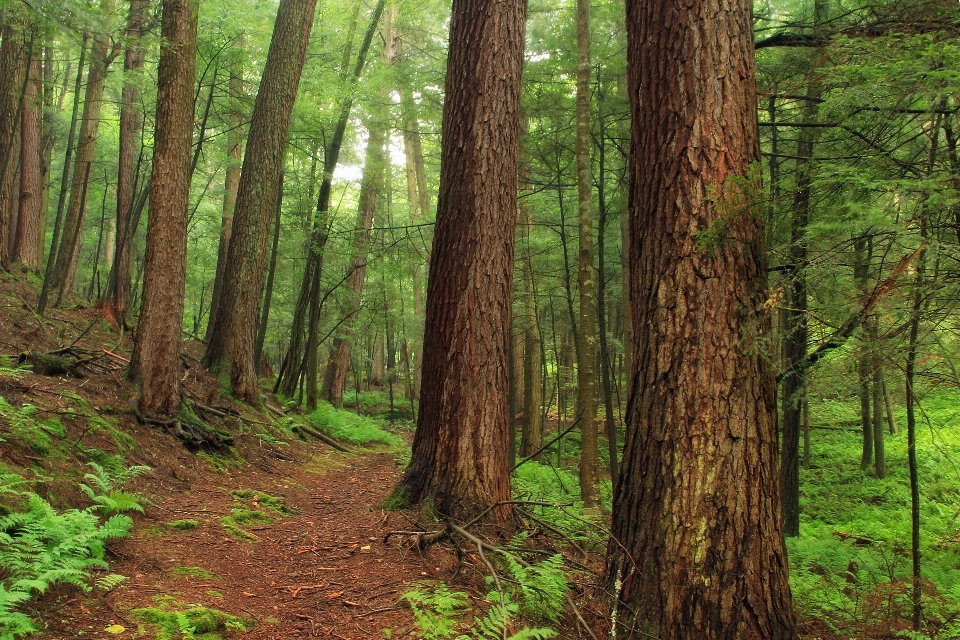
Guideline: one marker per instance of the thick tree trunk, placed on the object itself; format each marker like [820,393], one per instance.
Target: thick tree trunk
[230,351]
[460,447]
[65,268]
[697,505]
[586,279]
[155,362]
[338,365]
[116,299]
[14,60]
[26,242]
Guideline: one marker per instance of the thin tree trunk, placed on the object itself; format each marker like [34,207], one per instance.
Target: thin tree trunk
[65,268]
[697,545]
[460,448]
[114,304]
[586,276]
[338,365]
[231,184]
[876,374]
[64,184]
[230,350]
[47,137]
[888,401]
[268,288]
[861,273]
[155,362]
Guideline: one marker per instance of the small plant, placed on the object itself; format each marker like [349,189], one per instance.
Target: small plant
[534,593]
[109,498]
[182,525]
[40,547]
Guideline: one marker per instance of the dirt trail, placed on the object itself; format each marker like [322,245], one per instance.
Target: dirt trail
[323,572]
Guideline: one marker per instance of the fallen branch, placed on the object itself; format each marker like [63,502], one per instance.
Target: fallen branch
[544,447]
[322,437]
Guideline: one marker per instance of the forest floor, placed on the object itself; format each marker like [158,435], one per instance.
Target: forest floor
[286,537]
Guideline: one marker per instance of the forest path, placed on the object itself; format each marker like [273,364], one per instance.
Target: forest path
[323,572]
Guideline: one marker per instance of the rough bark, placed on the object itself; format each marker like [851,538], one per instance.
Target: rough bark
[26,242]
[586,279]
[155,362]
[65,268]
[460,447]
[14,58]
[230,351]
[115,302]
[697,505]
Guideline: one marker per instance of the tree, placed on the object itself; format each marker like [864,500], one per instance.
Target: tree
[697,545]
[586,279]
[65,267]
[25,240]
[116,298]
[155,362]
[232,334]
[460,447]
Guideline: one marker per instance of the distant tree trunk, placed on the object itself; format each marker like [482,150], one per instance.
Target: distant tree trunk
[586,279]
[232,338]
[64,184]
[861,271]
[26,243]
[531,429]
[14,60]
[116,299]
[888,401]
[460,447]
[795,334]
[230,185]
[65,268]
[155,362]
[47,137]
[268,287]
[876,380]
[303,355]
[338,365]
[697,545]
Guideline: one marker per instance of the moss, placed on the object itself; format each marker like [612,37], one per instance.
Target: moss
[182,525]
[195,622]
[266,501]
[397,500]
[192,573]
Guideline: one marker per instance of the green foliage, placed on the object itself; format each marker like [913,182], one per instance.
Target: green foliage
[534,593]
[40,547]
[347,426]
[106,496]
[851,564]
[25,426]
[182,525]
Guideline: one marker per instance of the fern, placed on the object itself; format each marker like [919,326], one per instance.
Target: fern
[40,547]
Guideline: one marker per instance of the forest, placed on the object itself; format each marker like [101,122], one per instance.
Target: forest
[513,319]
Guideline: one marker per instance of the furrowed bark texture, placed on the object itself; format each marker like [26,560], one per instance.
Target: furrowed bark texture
[233,332]
[14,55]
[26,245]
[460,448]
[155,362]
[697,504]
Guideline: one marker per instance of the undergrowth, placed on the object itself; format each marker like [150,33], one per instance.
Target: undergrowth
[350,427]
[169,620]
[40,547]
